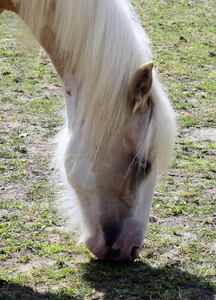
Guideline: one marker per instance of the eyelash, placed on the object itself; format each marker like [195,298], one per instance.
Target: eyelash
[143,165]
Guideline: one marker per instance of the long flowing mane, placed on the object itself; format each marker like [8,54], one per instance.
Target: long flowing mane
[101,44]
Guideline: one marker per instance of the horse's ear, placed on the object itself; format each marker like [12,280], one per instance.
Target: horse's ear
[140,86]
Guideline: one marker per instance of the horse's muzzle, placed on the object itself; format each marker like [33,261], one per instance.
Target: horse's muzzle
[126,253]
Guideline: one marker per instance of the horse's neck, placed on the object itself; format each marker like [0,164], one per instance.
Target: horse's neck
[48,42]
[71,93]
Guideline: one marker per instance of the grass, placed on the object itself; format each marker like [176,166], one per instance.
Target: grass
[39,257]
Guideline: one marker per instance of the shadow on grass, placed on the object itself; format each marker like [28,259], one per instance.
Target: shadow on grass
[121,281]
[11,291]
[141,281]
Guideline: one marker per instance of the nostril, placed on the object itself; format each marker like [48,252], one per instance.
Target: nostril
[115,253]
[135,252]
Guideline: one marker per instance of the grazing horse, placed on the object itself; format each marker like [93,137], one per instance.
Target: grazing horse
[120,126]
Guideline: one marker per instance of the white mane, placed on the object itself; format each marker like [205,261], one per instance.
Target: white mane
[101,45]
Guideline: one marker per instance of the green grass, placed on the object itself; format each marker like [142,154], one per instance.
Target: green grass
[39,258]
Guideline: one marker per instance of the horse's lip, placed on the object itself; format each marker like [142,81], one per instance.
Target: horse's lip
[135,252]
[119,256]
[115,253]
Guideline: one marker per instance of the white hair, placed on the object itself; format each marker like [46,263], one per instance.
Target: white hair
[101,44]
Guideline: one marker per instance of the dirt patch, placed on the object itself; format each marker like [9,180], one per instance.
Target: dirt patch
[201,134]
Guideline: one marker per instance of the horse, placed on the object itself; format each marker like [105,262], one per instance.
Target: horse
[120,125]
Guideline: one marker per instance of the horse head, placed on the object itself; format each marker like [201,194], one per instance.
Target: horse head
[115,188]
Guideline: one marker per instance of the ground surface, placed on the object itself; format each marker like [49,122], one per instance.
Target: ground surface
[39,255]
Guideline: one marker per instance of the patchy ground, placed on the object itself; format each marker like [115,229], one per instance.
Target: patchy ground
[39,255]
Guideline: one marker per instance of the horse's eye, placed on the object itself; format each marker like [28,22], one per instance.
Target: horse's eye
[143,165]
